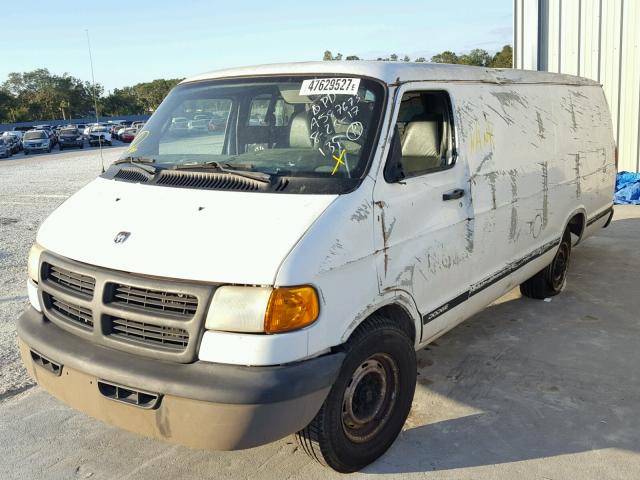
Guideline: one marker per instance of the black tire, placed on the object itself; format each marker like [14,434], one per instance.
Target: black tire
[369,402]
[82,145]
[26,152]
[60,148]
[552,279]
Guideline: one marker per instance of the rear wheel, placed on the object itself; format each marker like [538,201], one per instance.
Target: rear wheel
[552,279]
[369,402]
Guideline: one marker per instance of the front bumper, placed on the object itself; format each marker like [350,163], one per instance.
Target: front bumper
[71,143]
[200,404]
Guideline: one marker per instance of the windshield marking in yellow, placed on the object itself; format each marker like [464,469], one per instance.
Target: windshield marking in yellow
[339,161]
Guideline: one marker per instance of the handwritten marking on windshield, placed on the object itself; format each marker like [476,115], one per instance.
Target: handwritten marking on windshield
[339,161]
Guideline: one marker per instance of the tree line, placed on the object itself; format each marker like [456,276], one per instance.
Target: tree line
[477,57]
[41,95]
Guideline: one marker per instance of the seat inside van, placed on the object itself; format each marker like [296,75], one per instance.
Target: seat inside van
[424,127]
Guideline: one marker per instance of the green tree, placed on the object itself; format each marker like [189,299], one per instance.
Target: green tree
[39,94]
[503,58]
[393,57]
[445,57]
[327,55]
[406,58]
[420,60]
[476,57]
[352,57]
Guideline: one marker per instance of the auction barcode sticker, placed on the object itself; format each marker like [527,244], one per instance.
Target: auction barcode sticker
[319,86]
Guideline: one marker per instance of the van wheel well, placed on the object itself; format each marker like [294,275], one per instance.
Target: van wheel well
[397,315]
[576,225]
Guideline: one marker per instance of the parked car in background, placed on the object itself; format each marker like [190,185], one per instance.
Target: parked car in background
[99,135]
[36,141]
[115,129]
[70,137]
[17,133]
[13,142]
[137,125]
[179,123]
[80,127]
[199,124]
[5,149]
[128,135]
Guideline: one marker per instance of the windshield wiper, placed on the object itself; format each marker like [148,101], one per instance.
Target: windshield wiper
[143,163]
[226,168]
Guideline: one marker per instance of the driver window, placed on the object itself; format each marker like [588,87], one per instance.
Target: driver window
[425,129]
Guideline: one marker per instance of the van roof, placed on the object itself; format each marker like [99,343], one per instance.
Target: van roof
[391,72]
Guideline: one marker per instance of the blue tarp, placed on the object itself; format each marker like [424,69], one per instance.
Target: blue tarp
[627,189]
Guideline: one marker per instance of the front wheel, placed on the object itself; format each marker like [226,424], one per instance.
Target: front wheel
[369,402]
[552,279]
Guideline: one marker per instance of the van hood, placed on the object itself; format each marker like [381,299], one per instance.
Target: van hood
[200,235]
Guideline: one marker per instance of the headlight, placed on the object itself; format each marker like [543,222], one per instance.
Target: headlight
[262,309]
[33,264]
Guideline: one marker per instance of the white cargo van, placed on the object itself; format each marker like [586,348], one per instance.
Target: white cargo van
[275,272]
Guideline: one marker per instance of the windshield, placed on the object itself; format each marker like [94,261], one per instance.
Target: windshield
[68,131]
[98,129]
[34,135]
[297,127]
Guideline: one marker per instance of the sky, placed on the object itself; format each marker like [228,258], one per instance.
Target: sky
[141,40]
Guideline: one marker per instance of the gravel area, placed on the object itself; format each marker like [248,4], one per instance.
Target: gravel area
[31,187]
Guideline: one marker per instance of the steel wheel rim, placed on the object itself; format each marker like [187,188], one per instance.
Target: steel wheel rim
[559,270]
[370,397]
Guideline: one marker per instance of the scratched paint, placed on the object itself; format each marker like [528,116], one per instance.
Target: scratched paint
[513,221]
[362,213]
[578,179]
[545,193]
[481,137]
[540,123]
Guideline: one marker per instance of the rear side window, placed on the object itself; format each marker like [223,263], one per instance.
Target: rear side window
[425,130]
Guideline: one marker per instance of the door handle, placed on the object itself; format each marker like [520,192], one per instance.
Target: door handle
[453,194]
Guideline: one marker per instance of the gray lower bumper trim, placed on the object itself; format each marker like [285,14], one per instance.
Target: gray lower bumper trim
[209,382]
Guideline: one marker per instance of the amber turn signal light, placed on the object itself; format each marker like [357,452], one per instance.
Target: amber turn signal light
[291,308]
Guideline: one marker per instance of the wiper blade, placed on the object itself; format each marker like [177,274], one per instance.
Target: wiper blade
[143,163]
[226,168]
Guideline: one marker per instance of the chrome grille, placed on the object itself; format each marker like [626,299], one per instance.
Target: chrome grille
[171,338]
[70,280]
[169,302]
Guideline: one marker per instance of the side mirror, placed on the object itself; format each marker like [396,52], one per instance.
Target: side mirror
[393,167]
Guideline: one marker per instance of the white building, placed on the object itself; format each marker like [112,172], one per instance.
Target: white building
[599,39]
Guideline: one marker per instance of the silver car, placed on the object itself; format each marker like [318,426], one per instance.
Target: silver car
[5,150]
